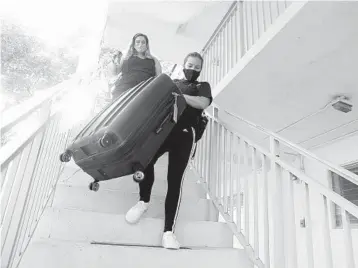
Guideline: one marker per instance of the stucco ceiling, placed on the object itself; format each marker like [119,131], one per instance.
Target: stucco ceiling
[312,60]
[174,28]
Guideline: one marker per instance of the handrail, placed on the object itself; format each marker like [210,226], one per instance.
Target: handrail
[19,112]
[218,28]
[333,167]
[232,169]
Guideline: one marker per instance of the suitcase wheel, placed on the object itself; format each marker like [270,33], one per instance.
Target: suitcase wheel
[65,157]
[94,186]
[138,176]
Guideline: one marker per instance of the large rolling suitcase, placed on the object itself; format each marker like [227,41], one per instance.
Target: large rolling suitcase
[124,137]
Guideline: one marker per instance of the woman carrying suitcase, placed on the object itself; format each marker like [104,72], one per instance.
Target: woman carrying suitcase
[136,66]
[180,145]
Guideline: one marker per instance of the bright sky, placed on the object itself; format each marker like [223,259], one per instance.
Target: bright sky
[55,19]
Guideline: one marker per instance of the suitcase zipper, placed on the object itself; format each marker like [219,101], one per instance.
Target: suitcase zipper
[134,137]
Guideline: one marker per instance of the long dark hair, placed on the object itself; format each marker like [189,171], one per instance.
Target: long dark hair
[132,51]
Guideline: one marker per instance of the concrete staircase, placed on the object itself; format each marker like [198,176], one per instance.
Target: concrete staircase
[86,229]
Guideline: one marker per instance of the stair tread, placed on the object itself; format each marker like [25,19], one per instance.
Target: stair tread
[64,254]
[75,225]
[109,201]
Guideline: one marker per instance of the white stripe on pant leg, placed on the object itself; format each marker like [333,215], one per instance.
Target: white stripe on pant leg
[182,180]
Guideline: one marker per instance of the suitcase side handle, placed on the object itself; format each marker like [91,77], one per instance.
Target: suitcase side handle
[173,114]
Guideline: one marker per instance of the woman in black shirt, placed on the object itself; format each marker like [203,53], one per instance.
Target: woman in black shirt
[136,66]
[180,144]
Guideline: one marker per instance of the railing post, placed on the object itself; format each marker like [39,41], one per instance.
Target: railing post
[214,154]
[279,250]
[241,27]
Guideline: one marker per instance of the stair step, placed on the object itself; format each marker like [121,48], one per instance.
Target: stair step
[109,201]
[75,225]
[63,254]
[126,184]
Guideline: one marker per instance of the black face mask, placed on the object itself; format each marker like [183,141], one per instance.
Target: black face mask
[191,75]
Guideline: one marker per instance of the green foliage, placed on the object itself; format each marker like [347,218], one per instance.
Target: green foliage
[28,64]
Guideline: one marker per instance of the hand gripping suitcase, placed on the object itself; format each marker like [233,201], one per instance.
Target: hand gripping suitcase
[124,137]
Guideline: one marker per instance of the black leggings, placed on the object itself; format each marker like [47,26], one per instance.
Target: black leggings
[179,145]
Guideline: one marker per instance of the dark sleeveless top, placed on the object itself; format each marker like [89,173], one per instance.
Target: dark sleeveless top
[134,71]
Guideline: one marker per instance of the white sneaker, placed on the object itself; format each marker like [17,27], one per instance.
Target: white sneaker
[169,241]
[135,213]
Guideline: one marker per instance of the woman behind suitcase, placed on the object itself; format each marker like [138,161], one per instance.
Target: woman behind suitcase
[136,66]
[180,145]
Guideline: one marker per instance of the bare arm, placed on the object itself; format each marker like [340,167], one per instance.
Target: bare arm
[158,67]
[197,101]
[115,69]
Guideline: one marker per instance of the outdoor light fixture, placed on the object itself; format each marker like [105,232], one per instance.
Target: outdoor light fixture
[342,104]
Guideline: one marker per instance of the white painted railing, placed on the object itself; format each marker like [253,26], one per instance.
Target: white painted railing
[280,214]
[243,25]
[30,165]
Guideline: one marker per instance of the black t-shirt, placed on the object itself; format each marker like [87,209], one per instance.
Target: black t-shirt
[134,71]
[190,116]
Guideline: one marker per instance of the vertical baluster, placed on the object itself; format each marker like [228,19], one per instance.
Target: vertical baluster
[205,153]
[241,28]
[212,62]
[36,180]
[347,239]
[247,25]
[220,165]
[256,209]
[201,155]
[250,23]
[222,54]
[291,227]
[209,156]
[3,174]
[21,195]
[217,53]
[264,15]
[203,73]
[232,174]
[46,171]
[209,65]
[232,43]
[238,181]
[226,173]
[227,46]
[25,230]
[259,24]
[9,182]
[309,242]
[218,160]
[246,196]
[253,21]
[327,234]
[206,60]
[279,250]
[218,58]
[278,8]
[270,11]
[209,146]
[214,154]
[266,214]
[53,170]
